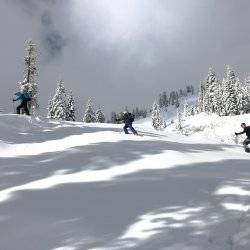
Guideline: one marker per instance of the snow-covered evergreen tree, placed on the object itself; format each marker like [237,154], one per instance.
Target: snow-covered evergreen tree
[100,118]
[71,108]
[113,117]
[177,100]
[229,93]
[247,94]
[218,99]
[30,76]
[228,97]
[58,107]
[50,108]
[179,121]
[190,89]
[163,100]
[200,103]
[247,83]
[209,99]
[186,109]
[243,96]
[157,119]
[89,115]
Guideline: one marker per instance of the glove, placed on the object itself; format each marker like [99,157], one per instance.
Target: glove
[13,100]
[236,133]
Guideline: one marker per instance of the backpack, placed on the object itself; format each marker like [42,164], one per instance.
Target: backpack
[130,117]
[26,96]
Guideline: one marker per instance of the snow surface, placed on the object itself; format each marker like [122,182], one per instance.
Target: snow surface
[70,186]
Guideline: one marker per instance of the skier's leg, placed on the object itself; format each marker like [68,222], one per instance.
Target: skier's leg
[132,129]
[18,108]
[125,128]
[26,110]
[245,144]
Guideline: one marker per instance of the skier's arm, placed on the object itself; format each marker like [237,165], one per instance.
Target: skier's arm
[18,98]
[241,133]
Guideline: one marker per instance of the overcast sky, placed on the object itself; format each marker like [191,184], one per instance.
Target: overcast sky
[121,52]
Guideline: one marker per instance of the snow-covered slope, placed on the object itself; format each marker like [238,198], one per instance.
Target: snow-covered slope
[213,127]
[203,126]
[70,186]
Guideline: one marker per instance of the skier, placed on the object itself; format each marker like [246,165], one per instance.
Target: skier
[24,98]
[246,129]
[128,119]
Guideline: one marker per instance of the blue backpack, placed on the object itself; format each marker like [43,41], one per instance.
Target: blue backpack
[26,96]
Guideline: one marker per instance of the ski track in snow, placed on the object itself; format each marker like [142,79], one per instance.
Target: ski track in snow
[166,224]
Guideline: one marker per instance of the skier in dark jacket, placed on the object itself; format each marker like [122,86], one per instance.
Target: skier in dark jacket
[246,129]
[24,98]
[128,119]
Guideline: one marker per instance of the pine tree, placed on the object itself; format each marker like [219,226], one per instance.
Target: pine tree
[89,115]
[177,102]
[192,89]
[229,93]
[243,96]
[172,98]
[30,76]
[161,104]
[58,107]
[209,92]
[179,124]
[136,113]
[186,109]
[157,120]
[246,90]
[165,100]
[100,118]
[113,117]
[247,83]
[71,109]
[218,99]
[144,113]
[200,104]
[50,108]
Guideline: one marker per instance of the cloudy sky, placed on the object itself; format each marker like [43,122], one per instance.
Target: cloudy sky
[121,52]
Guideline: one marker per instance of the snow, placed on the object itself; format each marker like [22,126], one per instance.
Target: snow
[77,186]
[212,127]
[215,127]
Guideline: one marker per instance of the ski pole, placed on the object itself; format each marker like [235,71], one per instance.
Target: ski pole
[236,139]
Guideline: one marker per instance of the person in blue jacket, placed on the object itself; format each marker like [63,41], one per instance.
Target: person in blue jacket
[24,98]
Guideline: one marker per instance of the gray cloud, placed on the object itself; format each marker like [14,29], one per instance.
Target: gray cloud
[32,7]
[52,38]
